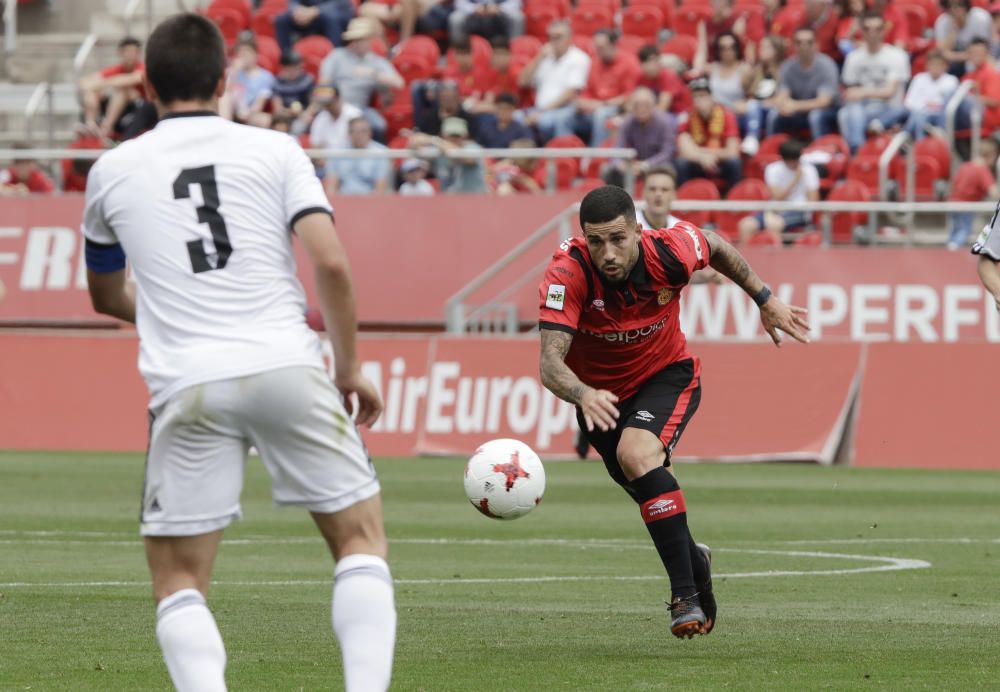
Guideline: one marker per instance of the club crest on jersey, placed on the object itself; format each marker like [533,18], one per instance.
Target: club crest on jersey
[664,295]
[555,297]
[598,304]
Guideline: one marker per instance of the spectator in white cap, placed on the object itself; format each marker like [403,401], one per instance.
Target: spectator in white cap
[464,175]
[414,172]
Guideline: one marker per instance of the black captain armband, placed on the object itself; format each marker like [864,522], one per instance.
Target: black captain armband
[761,296]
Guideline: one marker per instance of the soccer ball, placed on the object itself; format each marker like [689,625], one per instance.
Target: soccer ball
[504,479]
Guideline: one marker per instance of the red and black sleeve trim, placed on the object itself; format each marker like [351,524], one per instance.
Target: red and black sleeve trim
[577,254]
[677,273]
[545,324]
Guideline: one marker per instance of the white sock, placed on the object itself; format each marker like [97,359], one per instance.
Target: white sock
[364,618]
[191,643]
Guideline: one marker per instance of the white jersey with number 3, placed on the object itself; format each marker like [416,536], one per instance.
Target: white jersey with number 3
[203,209]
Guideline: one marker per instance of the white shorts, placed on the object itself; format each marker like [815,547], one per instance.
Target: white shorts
[199,439]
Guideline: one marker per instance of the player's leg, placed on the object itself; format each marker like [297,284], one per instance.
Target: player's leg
[653,423]
[194,475]
[317,460]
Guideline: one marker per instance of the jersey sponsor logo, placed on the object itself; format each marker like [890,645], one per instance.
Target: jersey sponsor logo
[697,243]
[645,416]
[627,337]
[598,304]
[664,295]
[556,297]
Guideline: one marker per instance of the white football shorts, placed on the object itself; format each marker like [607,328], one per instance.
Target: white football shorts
[199,441]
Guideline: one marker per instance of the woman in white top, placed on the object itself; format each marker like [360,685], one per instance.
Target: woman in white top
[729,78]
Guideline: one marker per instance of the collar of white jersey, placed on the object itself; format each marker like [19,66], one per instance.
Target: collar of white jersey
[189,114]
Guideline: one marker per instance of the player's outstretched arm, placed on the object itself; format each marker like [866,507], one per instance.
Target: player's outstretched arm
[598,405]
[989,274]
[112,294]
[774,314]
[336,299]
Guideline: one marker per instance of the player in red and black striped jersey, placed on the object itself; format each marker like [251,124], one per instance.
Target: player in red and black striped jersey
[611,344]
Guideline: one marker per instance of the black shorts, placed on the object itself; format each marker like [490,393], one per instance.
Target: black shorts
[663,406]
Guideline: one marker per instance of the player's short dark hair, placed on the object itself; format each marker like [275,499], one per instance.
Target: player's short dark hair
[663,169]
[606,204]
[129,41]
[790,150]
[648,51]
[185,58]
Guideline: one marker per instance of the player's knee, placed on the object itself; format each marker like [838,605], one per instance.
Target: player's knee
[637,461]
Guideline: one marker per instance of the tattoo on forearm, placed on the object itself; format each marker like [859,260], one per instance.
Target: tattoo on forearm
[727,261]
[556,375]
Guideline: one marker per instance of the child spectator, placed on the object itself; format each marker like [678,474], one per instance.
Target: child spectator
[24,177]
[414,172]
[789,180]
[927,95]
[499,130]
[974,181]
[249,87]
[292,87]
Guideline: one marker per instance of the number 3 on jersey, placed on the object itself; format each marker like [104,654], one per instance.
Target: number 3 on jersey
[208,212]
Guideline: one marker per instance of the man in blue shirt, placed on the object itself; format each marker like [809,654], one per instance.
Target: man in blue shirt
[498,131]
[358,176]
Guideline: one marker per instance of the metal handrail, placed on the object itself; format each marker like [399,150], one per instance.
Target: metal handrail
[899,141]
[455,316]
[82,53]
[130,9]
[41,91]
[950,111]
[10,26]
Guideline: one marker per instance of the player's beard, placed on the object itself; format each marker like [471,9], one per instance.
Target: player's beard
[622,277]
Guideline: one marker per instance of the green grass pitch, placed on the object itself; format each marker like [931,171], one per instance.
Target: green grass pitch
[569,597]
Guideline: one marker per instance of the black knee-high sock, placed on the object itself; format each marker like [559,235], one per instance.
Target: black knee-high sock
[661,504]
[699,564]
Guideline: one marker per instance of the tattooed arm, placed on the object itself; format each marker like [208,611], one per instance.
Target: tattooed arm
[774,314]
[598,405]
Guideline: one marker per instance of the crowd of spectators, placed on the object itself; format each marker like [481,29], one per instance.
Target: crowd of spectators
[442,77]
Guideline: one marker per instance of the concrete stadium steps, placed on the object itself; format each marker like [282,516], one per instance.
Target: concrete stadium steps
[14,98]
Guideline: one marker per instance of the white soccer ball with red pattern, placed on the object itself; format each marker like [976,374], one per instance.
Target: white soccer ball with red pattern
[504,479]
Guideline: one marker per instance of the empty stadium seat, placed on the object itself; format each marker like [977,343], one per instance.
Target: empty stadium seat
[627,43]
[687,17]
[413,67]
[313,50]
[936,148]
[240,7]
[754,168]
[567,170]
[864,170]
[268,53]
[525,45]
[749,189]
[590,18]
[423,46]
[537,20]
[681,45]
[926,176]
[642,21]
[667,7]
[769,145]
[229,21]
[699,188]
[842,224]
[482,51]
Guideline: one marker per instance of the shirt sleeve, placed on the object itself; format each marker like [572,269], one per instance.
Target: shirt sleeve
[561,294]
[829,85]
[95,225]
[988,242]
[303,191]
[810,177]
[689,250]
[850,74]
[577,77]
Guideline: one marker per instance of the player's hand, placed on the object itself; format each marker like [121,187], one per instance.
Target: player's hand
[369,402]
[775,316]
[598,406]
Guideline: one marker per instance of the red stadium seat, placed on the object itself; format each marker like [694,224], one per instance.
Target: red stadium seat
[229,21]
[482,51]
[788,19]
[667,7]
[642,21]
[810,239]
[313,50]
[590,18]
[681,45]
[756,23]
[586,44]
[864,170]
[567,170]
[687,18]
[874,146]
[926,175]
[561,7]
[262,24]
[763,239]
[422,46]
[268,53]
[747,189]
[379,48]
[840,154]
[754,168]
[843,223]
[240,7]
[699,188]
[627,43]
[936,148]
[769,146]
[412,67]
[525,45]
[537,20]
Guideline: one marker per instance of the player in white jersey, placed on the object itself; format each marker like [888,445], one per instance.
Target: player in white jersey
[204,210]
[987,246]
[659,193]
